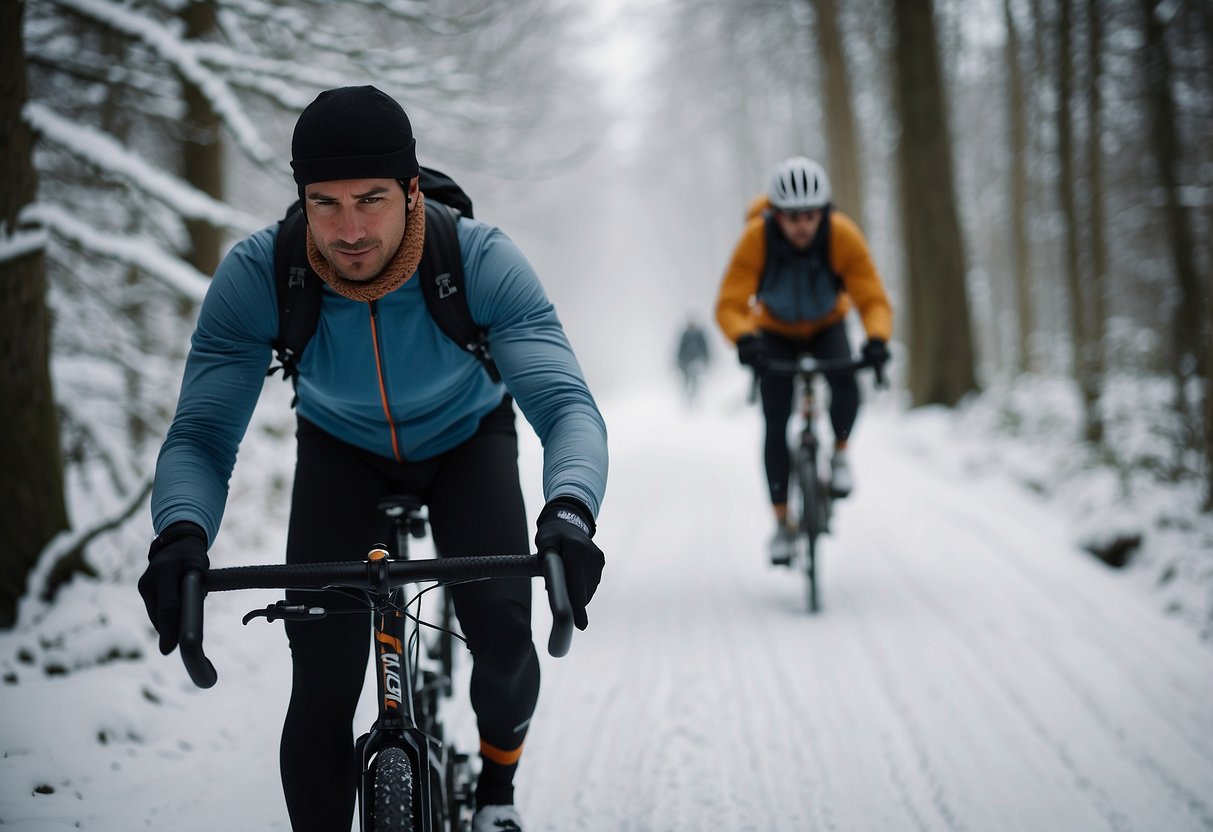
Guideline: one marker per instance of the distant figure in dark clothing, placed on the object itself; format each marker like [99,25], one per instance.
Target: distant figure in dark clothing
[693,358]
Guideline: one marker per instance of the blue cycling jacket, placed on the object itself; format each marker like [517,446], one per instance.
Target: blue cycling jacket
[424,395]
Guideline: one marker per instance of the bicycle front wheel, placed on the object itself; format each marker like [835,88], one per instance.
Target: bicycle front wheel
[392,784]
[810,526]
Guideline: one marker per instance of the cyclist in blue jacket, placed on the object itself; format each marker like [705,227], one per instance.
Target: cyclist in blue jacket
[386,404]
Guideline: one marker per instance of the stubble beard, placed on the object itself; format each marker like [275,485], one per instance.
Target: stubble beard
[362,275]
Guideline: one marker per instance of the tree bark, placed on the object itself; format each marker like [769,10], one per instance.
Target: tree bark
[1097,299]
[116,112]
[1189,355]
[202,147]
[941,342]
[32,506]
[1020,250]
[1209,413]
[842,136]
[1080,333]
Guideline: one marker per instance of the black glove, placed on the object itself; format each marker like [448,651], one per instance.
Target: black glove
[752,352]
[179,548]
[566,526]
[876,353]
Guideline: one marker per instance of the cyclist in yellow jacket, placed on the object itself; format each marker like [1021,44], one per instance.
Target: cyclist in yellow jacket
[797,270]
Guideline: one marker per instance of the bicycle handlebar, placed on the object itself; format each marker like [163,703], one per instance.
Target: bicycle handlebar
[809,364]
[377,576]
[560,639]
[189,641]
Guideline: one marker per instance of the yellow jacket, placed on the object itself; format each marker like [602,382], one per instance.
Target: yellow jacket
[739,312]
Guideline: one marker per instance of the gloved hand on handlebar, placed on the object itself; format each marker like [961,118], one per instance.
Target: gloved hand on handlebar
[566,525]
[752,352]
[178,549]
[876,353]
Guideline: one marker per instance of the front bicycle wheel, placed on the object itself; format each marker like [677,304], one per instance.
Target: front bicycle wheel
[810,525]
[392,786]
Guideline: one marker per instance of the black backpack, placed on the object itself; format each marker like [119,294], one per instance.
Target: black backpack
[441,273]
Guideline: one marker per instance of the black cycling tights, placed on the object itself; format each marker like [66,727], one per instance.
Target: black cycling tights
[475,508]
[777,400]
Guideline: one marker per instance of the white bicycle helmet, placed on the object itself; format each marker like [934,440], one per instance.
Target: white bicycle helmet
[799,184]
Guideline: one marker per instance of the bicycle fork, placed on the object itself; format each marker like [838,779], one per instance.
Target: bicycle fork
[396,724]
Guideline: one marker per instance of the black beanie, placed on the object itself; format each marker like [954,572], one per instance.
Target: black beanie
[353,133]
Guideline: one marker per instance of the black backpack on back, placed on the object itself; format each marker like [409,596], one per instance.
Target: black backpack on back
[441,273]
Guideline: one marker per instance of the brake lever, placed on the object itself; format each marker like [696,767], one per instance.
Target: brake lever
[882,381]
[280,610]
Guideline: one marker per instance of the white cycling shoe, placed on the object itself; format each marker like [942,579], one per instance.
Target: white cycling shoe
[497,819]
[841,482]
[783,545]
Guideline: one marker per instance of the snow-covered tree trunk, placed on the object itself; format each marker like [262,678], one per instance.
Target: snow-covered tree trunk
[32,508]
[1188,354]
[842,136]
[1097,358]
[202,147]
[1209,415]
[1020,253]
[1079,293]
[940,339]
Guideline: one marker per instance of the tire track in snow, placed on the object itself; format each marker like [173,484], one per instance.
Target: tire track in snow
[1128,747]
[790,759]
[1064,582]
[926,768]
[1027,708]
[989,548]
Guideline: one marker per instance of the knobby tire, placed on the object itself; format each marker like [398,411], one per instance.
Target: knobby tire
[393,791]
[810,519]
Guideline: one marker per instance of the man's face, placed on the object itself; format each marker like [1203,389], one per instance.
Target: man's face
[800,227]
[357,223]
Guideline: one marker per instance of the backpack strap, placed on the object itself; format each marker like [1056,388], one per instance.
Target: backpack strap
[442,285]
[298,291]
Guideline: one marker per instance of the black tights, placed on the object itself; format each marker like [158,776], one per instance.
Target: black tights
[777,400]
[475,508]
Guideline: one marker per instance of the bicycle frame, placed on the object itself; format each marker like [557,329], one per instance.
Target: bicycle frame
[808,443]
[407,520]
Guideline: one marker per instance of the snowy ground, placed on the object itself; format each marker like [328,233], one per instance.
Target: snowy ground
[971,670]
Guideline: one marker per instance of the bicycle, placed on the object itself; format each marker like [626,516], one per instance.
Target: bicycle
[812,512]
[410,779]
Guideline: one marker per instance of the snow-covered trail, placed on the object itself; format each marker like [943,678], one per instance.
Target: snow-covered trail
[969,670]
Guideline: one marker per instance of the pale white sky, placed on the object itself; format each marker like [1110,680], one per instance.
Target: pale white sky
[622,33]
